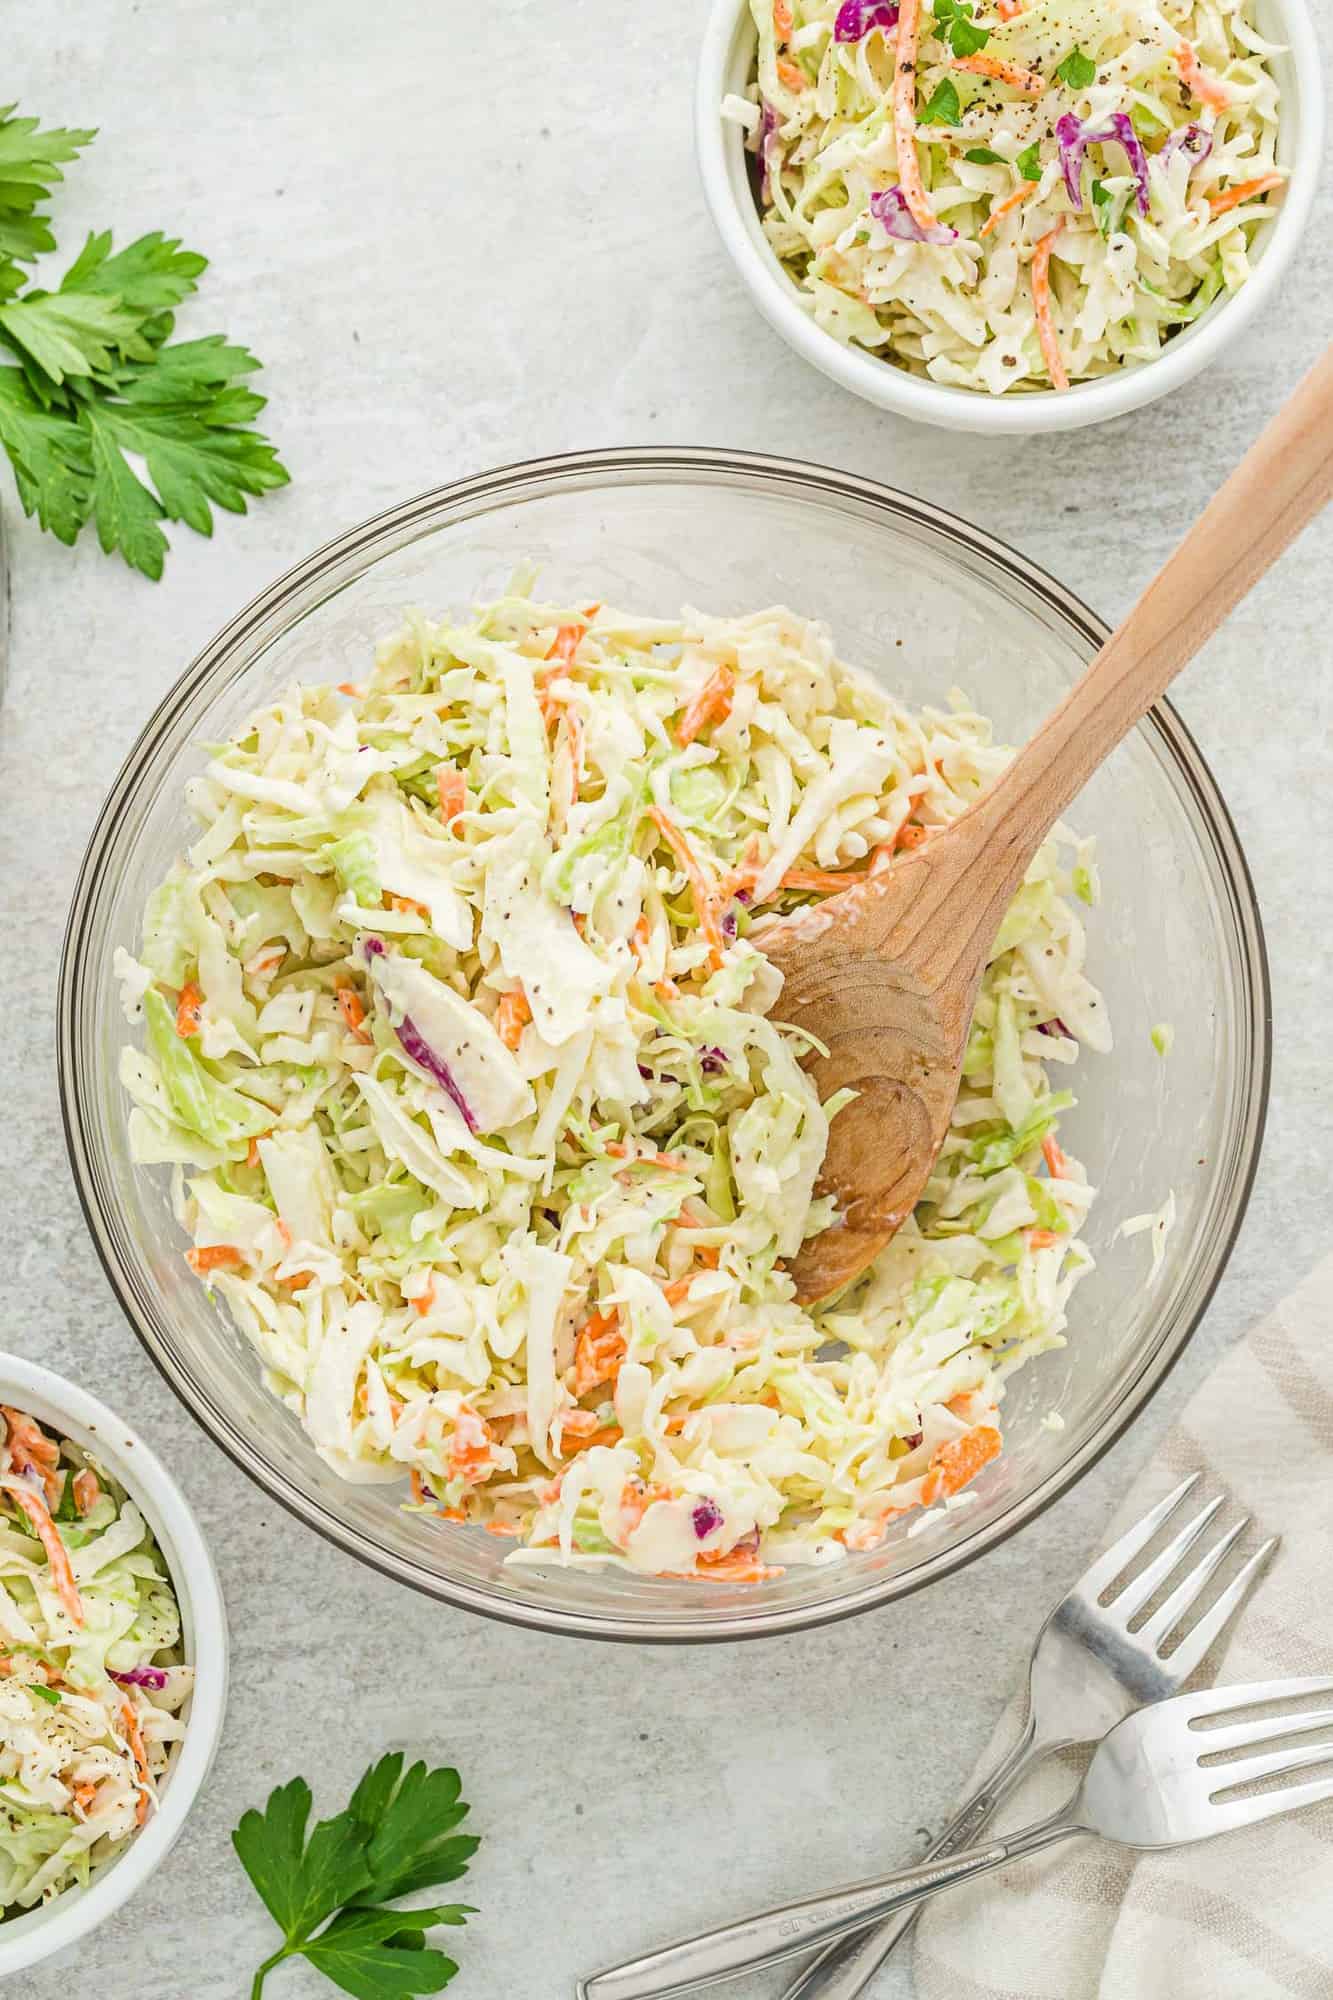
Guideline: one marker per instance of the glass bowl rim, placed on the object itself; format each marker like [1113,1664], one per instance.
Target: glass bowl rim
[383,534]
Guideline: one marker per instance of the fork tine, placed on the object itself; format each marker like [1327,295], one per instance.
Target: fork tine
[1108,1567]
[1250,1694]
[1200,1636]
[1233,1813]
[1248,1770]
[1141,1587]
[1215,1742]
[1166,1618]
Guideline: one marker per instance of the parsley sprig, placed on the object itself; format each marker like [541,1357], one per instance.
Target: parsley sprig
[330,1892]
[89,373]
[954,24]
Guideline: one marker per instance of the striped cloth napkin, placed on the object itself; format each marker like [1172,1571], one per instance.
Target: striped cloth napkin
[1248,1916]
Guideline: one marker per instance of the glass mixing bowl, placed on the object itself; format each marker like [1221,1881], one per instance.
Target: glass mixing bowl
[927,602]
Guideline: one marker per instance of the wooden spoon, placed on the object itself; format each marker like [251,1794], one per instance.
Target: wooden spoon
[886,973]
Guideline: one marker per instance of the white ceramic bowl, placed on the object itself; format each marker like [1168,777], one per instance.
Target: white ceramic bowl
[73,1413]
[726,64]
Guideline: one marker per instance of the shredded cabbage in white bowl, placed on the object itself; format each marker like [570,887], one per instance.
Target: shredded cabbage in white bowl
[484,1124]
[91,1679]
[1002,196]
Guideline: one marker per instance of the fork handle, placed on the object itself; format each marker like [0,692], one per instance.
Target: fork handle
[782,1933]
[846,1967]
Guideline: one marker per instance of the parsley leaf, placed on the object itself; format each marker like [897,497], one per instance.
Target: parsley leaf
[982,156]
[943,107]
[1077,70]
[1102,200]
[93,375]
[954,24]
[1028,162]
[30,163]
[43,1693]
[328,1891]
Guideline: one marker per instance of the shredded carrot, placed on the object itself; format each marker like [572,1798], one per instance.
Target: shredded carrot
[87,1489]
[598,1352]
[353,1012]
[252,1153]
[791,74]
[955,1464]
[1041,301]
[284,1234]
[636,1500]
[1007,9]
[711,704]
[451,789]
[504,1529]
[214,1257]
[1026,80]
[135,1741]
[824,881]
[1011,201]
[1057,1161]
[33,1451]
[566,643]
[85,1796]
[863,1534]
[351,688]
[1206,88]
[470,1446]
[641,935]
[407,905]
[671,1161]
[730,1568]
[709,1257]
[703,892]
[512,1017]
[782,20]
[1232,197]
[62,1576]
[187,1009]
[574,739]
[908,836]
[904,117]
[580,1432]
[678,1290]
[1042,1239]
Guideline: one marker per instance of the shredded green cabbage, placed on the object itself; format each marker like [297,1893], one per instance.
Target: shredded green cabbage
[91,1683]
[961,310]
[499,1169]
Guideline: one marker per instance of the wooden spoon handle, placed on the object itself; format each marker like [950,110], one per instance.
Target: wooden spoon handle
[1281,483]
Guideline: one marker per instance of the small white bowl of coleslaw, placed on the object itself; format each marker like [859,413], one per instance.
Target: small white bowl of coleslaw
[126,1524]
[1054,212]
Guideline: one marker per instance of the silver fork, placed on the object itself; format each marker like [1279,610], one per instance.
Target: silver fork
[1088,1669]
[1148,1786]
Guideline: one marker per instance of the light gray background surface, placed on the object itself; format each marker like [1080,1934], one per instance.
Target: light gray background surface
[461,235]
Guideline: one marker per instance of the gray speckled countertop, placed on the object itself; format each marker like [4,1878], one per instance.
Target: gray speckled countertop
[459,236]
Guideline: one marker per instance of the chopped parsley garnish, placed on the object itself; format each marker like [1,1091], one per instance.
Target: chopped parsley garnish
[1028,162]
[943,106]
[954,24]
[1077,70]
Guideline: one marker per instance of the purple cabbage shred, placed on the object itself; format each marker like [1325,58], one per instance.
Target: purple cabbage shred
[1055,1026]
[1195,140]
[767,127]
[729,924]
[421,1052]
[373,947]
[896,219]
[1074,136]
[857,17]
[140,1677]
[707,1519]
[712,1061]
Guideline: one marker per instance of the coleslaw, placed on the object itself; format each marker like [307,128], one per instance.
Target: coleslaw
[484,1125]
[91,1684]
[1005,196]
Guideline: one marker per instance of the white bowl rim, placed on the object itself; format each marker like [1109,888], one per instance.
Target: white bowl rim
[1039,410]
[51,1927]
